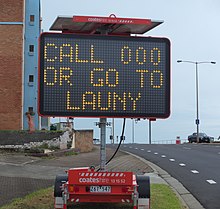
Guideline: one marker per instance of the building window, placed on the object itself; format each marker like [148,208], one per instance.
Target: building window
[31,50]
[32,17]
[30,109]
[31,78]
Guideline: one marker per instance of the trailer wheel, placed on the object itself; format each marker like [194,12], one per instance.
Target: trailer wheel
[143,186]
[60,179]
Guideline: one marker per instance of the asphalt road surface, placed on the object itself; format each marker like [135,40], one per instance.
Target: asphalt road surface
[22,174]
[196,166]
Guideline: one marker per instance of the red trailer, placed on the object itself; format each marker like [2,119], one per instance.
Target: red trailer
[85,185]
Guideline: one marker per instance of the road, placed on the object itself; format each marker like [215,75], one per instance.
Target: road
[196,166]
[26,174]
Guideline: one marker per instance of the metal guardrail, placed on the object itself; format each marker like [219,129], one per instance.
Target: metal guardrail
[173,141]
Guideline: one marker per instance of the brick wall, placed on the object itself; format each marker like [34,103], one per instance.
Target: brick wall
[11,49]
[84,140]
[11,10]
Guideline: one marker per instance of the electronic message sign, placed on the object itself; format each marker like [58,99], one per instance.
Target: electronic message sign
[104,76]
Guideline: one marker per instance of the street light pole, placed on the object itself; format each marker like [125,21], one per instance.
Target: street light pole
[197,93]
[197,103]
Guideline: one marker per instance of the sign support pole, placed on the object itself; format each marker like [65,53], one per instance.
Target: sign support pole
[149,131]
[103,122]
[102,126]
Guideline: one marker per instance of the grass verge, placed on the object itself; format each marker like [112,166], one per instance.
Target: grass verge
[162,197]
[41,199]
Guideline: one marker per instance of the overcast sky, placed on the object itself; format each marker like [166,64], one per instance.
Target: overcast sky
[193,29]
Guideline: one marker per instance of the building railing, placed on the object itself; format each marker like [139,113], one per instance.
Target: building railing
[171,141]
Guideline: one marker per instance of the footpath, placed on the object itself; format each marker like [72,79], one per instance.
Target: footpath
[26,174]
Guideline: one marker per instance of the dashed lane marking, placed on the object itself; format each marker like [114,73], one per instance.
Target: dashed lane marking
[172,160]
[195,171]
[156,153]
[136,148]
[211,181]
[182,164]
[142,149]
[163,156]
[148,150]
[186,147]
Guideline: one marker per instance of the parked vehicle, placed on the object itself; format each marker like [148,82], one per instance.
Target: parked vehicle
[202,138]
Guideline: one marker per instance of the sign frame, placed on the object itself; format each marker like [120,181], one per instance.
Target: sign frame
[91,114]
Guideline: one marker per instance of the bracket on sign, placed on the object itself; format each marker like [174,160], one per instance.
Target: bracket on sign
[101,123]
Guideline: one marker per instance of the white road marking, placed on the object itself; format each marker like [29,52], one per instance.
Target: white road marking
[3,163]
[142,149]
[148,150]
[156,153]
[186,148]
[182,164]
[29,162]
[172,160]
[130,147]
[13,164]
[211,181]
[163,156]
[195,171]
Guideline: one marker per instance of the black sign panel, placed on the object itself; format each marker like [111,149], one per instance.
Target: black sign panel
[104,76]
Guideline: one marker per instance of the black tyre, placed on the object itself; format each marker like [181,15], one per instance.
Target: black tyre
[143,186]
[60,179]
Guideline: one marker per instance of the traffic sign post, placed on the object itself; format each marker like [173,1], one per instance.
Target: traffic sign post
[99,75]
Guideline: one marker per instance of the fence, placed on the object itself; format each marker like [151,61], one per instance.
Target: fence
[172,141]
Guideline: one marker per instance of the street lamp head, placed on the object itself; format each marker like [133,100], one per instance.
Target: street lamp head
[179,61]
[213,62]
